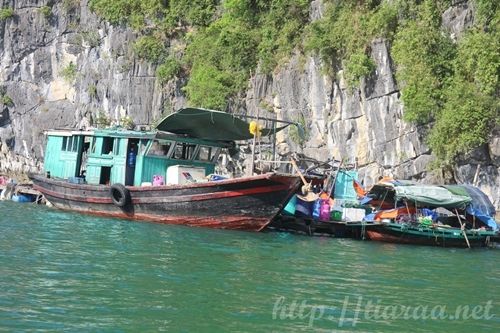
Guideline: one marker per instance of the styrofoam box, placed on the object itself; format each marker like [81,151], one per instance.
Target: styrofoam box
[182,174]
[353,214]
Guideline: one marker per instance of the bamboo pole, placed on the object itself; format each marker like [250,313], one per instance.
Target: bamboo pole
[383,199]
[462,226]
[253,144]
[294,164]
[476,175]
[407,208]
[274,144]
[335,178]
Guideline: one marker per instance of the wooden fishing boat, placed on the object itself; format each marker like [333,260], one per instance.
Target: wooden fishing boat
[337,221]
[434,235]
[453,215]
[162,175]
[247,203]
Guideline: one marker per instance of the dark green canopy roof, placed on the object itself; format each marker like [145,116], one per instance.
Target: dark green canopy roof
[210,125]
[423,195]
[432,196]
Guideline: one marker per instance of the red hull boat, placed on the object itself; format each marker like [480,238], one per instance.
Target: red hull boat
[247,203]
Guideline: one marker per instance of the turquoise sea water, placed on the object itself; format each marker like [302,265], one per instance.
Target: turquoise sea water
[62,271]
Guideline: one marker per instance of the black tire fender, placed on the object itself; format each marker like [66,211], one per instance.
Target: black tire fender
[120,195]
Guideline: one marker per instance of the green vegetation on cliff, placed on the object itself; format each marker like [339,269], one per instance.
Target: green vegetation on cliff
[343,36]
[471,100]
[225,40]
[451,84]
[6,13]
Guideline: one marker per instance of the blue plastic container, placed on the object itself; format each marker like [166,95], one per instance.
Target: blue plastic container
[76,180]
[22,198]
[290,206]
[316,209]
[303,208]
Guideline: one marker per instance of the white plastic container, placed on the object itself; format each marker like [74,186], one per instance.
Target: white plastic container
[182,174]
[353,214]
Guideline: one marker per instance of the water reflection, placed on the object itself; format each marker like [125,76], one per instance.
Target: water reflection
[65,271]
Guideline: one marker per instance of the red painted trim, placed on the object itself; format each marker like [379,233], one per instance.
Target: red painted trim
[381,237]
[290,180]
[232,222]
[100,200]
[169,199]
[211,196]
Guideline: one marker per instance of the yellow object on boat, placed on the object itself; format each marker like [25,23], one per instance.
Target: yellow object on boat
[254,128]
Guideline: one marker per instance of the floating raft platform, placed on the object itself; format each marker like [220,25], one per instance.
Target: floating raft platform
[312,227]
[21,190]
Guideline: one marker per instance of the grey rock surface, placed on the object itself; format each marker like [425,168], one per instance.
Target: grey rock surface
[458,18]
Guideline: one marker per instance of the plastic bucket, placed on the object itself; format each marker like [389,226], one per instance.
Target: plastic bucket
[335,215]
[158,180]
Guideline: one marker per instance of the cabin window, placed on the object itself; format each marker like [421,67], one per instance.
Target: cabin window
[107,145]
[69,144]
[160,148]
[183,151]
[206,153]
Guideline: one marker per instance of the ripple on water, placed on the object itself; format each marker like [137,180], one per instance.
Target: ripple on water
[62,271]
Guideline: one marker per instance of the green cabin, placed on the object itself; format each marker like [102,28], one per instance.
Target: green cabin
[122,156]
[189,139]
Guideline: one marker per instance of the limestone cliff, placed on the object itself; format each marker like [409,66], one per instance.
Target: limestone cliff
[62,66]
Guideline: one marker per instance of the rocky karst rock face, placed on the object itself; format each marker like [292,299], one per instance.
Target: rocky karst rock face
[67,68]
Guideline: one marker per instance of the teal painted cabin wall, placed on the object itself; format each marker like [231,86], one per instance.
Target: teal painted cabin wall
[157,165]
[105,160]
[63,162]
[52,161]
[119,160]
[115,160]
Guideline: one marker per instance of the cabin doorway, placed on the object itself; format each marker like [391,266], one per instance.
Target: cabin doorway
[105,175]
[132,149]
[84,156]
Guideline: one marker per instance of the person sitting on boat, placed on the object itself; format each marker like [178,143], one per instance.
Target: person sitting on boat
[83,174]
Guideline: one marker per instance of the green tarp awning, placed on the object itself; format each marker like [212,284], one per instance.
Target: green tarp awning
[431,196]
[209,125]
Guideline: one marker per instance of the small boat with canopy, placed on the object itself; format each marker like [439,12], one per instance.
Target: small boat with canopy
[449,215]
